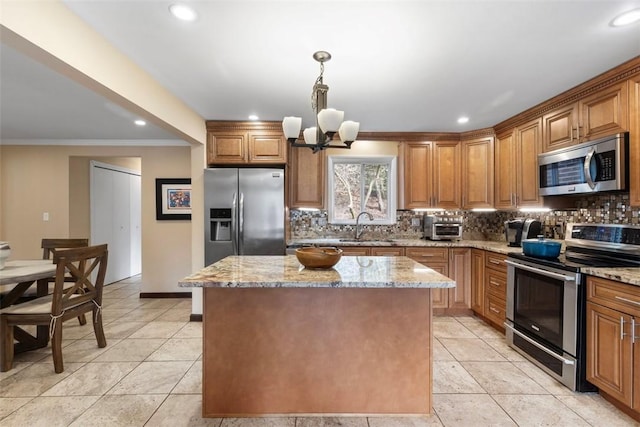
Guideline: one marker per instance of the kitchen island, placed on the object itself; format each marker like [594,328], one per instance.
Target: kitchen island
[281,339]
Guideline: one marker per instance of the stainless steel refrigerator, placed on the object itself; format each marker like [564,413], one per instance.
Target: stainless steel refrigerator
[244,212]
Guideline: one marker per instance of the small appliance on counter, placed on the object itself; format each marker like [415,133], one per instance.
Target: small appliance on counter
[442,227]
[519,229]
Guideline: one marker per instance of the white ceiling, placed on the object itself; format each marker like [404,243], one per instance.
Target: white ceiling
[397,65]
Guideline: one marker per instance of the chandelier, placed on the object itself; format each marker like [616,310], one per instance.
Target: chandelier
[328,120]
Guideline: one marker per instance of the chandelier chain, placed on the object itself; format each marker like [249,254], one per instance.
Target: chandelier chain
[319,81]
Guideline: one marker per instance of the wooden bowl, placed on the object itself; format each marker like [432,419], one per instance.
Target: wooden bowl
[318,257]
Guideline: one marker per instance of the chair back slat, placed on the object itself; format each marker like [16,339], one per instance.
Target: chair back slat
[50,246]
[87,266]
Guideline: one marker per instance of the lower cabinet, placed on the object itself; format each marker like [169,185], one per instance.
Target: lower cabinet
[477,280]
[613,336]
[454,263]
[489,286]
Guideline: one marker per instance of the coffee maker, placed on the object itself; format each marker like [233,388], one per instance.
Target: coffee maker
[516,230]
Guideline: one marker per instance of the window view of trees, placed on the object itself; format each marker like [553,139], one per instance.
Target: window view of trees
[361,185]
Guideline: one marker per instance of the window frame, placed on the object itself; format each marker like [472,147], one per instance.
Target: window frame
[392,186]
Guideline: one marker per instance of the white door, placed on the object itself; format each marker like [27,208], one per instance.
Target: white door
[115,218]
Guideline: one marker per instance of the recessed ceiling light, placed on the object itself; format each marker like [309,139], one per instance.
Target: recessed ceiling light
[183,12]
[627,18]
[140,122]
[253,117]
[463,120]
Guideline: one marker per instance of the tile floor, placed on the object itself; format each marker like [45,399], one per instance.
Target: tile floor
[150,375]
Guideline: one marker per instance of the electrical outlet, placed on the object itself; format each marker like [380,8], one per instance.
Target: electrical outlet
[314,222]
[45,216]
[322,222]
[415,222]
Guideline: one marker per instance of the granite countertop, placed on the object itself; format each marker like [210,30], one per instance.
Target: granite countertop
[629,276]
[286,272]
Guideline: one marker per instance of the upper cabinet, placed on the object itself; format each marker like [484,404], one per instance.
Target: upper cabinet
[477,173]
[306,177]
[634,141]
[243,143]
[432,174]
[516,167]
[602,113]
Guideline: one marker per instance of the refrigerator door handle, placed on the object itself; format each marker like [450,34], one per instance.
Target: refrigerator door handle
[234,241]
[241,226]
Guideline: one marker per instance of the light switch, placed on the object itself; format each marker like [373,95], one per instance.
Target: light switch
[45,216]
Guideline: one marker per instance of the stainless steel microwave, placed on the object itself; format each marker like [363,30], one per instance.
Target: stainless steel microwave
[590,167]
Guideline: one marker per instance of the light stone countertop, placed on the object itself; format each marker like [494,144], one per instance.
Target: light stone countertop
[629,276]
[286,272]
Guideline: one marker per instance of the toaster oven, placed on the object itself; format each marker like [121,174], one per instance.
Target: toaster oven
[442,227]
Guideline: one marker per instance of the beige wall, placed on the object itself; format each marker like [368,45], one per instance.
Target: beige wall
[36,179]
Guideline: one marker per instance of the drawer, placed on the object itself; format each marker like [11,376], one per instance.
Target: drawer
[355,250]
[615,295]
[386,251]
[428,255]
[495,309]
[495,283]
[496,261]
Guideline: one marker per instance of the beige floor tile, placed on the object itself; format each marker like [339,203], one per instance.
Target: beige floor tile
[471,349]
[35,380]
[502,378]
[259,422]
[190,330]
[17,367]
[123,293]
[116,411]
[178,349]
[11,404]
[177,315]
[597,411]
[501,346]
[191,383]
[482,330]
[527,411]
[143,314]
[158,330]
[470,410]
[429,421]
[81,351]
[131,350]
[451,377]
[152,378]
[331,422]
[450,329]
[440,353]
[111,314]
[74,330]
[132,303]
[184,303]
[93,379]
[122,329]
[163,302]
[182,411]
[49,411]
[550,384]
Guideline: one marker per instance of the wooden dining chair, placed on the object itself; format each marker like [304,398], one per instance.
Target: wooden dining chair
[65,302]
[49,248]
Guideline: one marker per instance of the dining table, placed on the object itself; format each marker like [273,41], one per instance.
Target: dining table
[17,277]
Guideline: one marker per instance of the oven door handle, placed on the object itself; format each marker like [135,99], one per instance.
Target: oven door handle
[541,347]
[541,271]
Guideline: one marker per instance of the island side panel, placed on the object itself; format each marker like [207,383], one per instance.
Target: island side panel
[316,351]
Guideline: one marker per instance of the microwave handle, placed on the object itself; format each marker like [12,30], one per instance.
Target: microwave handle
[587,168]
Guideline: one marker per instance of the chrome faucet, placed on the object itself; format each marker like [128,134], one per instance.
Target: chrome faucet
[358,231]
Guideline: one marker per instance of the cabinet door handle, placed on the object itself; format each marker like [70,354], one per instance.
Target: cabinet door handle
[494,262]
[633,330]
[494,283]
[628,300]
[622,334]
[495,310]
[578,131]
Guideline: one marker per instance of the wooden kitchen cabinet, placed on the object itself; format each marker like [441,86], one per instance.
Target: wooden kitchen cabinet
[477,173]
[438,260]
[306,178]
[516,167]
[634,141]
[355,250]
[477,281]
[245,143]
[613,341]
[495,289]
[602,113]
[387,251]
[432,174]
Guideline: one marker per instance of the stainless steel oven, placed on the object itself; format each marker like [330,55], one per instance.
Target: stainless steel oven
[546,298]
[545,318]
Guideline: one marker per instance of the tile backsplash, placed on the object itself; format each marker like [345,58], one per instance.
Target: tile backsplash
[603,208]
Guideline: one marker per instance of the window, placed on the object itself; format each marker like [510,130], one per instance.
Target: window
[362,184]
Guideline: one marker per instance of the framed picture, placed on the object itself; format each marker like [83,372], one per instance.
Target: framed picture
[173,199]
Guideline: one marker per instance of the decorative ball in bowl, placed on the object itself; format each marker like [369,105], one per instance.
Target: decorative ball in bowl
[318,257]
